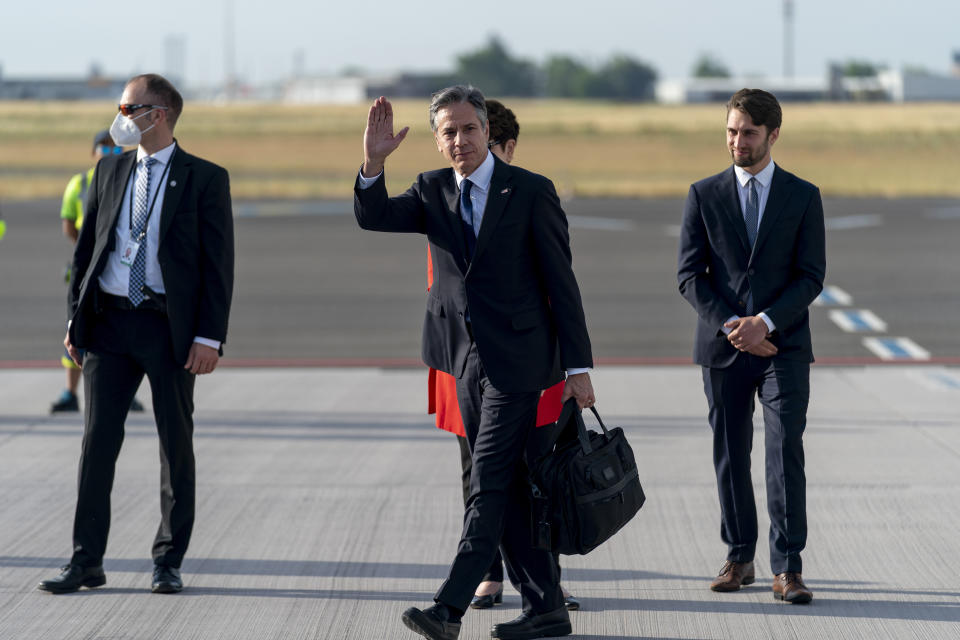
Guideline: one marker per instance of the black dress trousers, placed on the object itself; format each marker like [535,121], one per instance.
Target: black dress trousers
[783,388]
[125,345]
[502,435]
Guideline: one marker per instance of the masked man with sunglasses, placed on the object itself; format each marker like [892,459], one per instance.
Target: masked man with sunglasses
[150,295]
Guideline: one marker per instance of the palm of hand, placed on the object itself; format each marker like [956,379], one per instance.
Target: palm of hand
[378,138]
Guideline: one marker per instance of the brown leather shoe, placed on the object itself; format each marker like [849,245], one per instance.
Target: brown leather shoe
[789,587]
[732,576]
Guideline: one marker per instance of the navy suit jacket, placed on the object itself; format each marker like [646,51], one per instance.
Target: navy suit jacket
[524,303]
[195,251]
[784,271]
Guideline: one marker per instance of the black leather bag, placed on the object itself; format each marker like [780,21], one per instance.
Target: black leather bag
[585,488]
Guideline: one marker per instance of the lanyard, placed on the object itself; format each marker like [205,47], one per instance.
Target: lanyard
[146,222]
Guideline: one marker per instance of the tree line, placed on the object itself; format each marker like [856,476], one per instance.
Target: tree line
[499,73]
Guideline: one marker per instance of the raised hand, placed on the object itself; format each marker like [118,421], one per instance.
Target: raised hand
[378,139]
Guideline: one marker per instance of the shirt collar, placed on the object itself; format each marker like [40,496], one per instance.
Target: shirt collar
[162,157]
[764,177]
[482,176]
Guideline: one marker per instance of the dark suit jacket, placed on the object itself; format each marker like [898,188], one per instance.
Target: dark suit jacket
[784,271]
[523,299]
[195,251]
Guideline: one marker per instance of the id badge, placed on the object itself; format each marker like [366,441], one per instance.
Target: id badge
[129,253]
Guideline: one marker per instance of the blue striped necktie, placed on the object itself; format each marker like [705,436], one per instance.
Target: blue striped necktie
[138,270]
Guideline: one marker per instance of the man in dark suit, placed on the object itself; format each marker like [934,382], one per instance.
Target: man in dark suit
[752,259]
[504,317]
[150,294]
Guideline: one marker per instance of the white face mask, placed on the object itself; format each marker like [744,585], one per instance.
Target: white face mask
[125,132]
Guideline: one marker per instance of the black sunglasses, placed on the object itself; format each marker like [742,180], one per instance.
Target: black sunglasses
[130,109]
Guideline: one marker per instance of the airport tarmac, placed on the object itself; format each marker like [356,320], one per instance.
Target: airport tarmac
[312,288]
[328,503]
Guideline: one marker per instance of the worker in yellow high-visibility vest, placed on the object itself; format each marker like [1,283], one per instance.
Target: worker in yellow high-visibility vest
[71,214]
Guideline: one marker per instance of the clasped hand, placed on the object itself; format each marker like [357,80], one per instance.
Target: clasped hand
[750,335]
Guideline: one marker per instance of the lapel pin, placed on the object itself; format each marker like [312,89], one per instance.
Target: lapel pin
[506,190]
[173,183]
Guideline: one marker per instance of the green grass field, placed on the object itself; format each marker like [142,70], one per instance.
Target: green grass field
[587,148]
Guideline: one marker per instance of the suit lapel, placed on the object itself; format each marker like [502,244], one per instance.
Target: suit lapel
[498,195]
[118,188]
[730,197]
[176,180]
[780,191]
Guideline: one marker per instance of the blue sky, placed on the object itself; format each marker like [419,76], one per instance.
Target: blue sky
[63,37]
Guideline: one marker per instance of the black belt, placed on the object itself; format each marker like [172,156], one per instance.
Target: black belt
[110,301]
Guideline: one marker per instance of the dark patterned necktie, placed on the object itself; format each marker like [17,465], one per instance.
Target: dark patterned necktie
[466,216]
[138,270]
[751,216]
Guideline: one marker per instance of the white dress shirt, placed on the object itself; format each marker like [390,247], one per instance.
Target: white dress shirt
[480,178]
[115,278]
[763,178]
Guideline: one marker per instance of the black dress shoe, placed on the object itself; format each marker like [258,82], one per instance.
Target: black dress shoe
[166,579]
[528,626]
[571,603]
[72,578]
[487,601]
[433,622]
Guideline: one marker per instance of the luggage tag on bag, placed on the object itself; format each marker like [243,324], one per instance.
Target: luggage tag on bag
[129,253]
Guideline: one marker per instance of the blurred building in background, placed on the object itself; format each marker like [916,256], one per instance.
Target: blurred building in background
[95,86]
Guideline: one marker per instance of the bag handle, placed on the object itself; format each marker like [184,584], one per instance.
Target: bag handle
[571,410]
[606,433]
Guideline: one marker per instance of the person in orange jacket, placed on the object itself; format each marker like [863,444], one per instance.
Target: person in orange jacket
[442,387]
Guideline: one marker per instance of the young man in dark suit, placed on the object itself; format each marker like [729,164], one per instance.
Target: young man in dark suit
[504,317]
[752,259]
[150,294]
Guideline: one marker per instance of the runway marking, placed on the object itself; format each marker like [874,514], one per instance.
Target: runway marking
[832,296]
[600,224]
[937,379]
[896,349]
[844,223]
[857,320]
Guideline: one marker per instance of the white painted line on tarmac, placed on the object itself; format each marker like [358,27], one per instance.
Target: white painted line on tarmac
[896,349]
[857,320]
[844,223]
[600,224]
[832,296]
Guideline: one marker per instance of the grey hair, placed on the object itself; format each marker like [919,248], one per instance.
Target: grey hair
[454,95]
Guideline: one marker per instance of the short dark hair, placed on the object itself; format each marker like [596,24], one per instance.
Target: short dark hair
[162,92]
[456,94]
[503,124]
[760,105]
